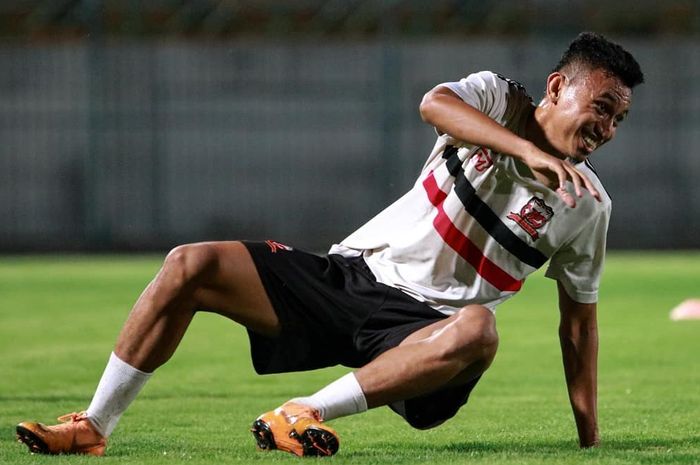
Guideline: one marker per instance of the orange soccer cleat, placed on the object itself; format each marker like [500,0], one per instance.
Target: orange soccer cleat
[295,428]
[76,435]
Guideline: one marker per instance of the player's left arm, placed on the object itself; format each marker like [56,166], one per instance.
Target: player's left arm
[578,335]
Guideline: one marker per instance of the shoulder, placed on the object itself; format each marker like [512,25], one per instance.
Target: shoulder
[505,85]
[496,95]
[489,80]
[486,81]
[590,171]
[512,84]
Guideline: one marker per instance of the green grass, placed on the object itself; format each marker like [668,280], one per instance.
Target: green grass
[59,318]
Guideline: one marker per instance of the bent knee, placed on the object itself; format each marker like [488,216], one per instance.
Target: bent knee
[189,262]
[482,323]
[472,335]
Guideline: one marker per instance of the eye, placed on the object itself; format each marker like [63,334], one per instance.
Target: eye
[599,109]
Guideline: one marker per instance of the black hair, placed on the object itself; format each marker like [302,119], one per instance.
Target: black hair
[597,52]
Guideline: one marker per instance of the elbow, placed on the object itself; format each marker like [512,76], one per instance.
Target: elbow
[428,106]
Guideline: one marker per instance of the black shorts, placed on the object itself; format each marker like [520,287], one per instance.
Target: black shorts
[332,312]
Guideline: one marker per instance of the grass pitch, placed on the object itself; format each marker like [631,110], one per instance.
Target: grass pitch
[60,316]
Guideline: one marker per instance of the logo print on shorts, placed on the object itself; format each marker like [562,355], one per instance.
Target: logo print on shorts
[534,214]
[275,246]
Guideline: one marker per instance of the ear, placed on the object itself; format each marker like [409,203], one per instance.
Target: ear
[555,86]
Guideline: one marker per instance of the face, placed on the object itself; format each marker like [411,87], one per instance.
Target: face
[585,111]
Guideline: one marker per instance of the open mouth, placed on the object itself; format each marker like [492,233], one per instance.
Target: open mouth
[590,141]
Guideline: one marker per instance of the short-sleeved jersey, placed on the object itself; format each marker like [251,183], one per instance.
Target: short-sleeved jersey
[476,223]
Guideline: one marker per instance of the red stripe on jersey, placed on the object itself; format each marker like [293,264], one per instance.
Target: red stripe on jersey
[463,246]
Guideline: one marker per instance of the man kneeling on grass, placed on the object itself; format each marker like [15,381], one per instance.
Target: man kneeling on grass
[409,298]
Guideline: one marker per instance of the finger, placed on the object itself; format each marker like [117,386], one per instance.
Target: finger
[591,188]
[565,197]
[561,175]
[576,179]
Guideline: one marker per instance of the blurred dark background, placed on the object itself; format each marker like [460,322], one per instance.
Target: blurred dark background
[137,125]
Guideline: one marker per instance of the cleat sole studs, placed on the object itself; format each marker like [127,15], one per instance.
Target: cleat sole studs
[35,444]
[318,442]
[264,438]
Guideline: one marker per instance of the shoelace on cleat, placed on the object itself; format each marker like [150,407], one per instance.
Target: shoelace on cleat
[73,417]
[295,416]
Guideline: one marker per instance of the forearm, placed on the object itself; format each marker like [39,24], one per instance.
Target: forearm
[580,356]
[452,116]
[578,335]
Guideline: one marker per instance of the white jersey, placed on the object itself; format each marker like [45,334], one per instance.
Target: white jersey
[476,223]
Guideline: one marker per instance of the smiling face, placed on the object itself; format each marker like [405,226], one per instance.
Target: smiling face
[582,109]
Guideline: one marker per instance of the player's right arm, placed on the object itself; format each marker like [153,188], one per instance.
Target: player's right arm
[578,336]
[446,111]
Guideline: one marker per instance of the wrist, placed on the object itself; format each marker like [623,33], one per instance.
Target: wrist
[588,436]
[525,150]
[592,442]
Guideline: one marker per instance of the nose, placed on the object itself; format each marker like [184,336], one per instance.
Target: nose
[607,129]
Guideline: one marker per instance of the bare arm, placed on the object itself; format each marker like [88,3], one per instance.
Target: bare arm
[578,335]
[446,111]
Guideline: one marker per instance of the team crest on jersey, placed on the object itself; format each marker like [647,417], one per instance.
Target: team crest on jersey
[534,214]
[275,246]
[482,159]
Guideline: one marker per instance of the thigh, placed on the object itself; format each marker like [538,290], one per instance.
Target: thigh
[472,326]
[470,321]
[233,288]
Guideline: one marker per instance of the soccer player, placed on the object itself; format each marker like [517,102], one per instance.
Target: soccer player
[408,299]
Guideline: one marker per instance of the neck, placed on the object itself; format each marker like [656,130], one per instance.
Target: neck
[536,132]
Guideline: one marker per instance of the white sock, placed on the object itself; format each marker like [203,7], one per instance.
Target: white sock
[119,385]
[342,397]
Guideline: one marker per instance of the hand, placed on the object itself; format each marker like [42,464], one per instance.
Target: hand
[553,172]
[587,428]
[593,441]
